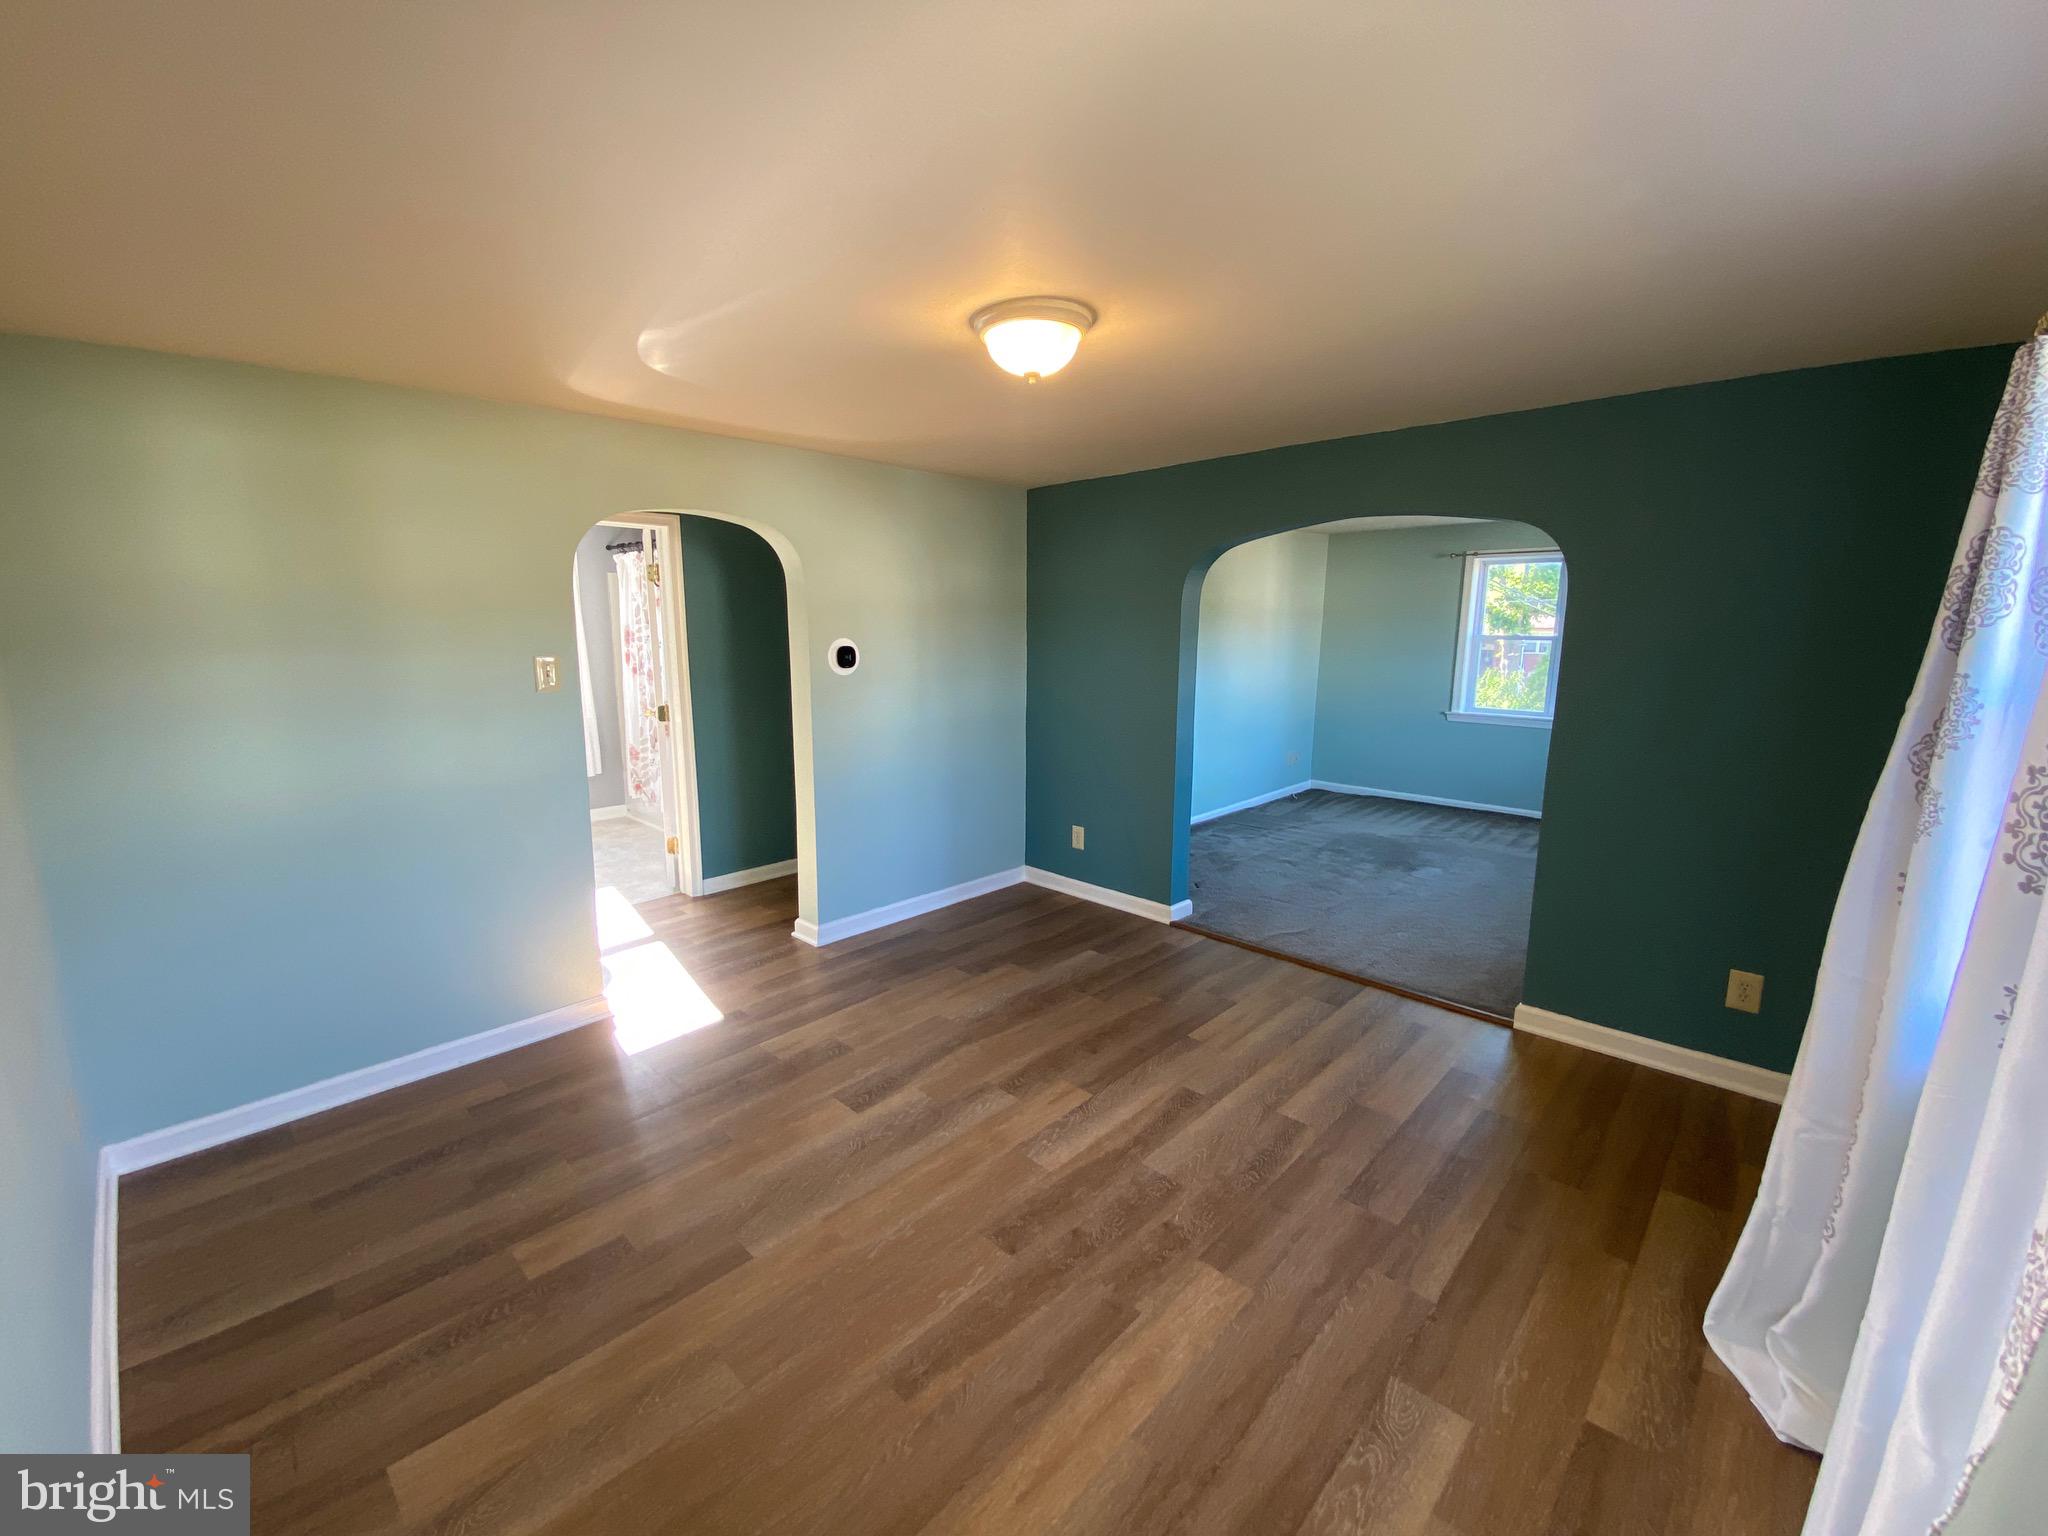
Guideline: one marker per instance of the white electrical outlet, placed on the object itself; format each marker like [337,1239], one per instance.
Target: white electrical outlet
[1293,758]
[1745,991]
[1080,837]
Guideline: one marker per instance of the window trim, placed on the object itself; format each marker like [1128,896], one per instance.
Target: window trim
[1470,597]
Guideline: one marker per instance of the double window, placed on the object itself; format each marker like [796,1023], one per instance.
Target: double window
[1509,638]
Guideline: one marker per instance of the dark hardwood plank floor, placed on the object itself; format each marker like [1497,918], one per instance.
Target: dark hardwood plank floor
[1026,1216]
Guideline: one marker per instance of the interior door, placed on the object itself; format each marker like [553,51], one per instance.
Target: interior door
[662,568]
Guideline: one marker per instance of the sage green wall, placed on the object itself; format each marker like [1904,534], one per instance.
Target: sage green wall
[292,799]
[46,1169]
[738,623]
[1390,645]
[1715,745]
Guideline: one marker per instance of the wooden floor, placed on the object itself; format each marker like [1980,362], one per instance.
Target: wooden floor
[1027,1216]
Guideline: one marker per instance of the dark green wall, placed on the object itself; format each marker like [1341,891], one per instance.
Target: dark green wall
[1754,566]
[736,609]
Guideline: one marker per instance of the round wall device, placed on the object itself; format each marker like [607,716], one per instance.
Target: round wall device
[844,656]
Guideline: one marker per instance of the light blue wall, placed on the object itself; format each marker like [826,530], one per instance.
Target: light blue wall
[1255,669]
[292,799]
[46,1170]
[1390,626]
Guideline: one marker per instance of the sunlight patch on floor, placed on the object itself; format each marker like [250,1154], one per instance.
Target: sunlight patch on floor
[653,998]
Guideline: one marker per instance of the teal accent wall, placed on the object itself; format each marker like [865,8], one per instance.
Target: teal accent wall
[291,798]
[1713,753]
[1260,641]
[1389,649]
[737,616]
[46,1169]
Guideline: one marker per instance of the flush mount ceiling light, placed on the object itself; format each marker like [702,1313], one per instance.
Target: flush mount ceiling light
[1032,338]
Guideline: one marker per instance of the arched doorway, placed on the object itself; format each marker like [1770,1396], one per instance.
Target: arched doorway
[1365,732]
[696,706]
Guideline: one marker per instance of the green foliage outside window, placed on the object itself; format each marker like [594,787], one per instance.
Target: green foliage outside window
[1502,687]
[1521,614]
[1522,599]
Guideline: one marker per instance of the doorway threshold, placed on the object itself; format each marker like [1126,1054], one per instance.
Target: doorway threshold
[1450,1005]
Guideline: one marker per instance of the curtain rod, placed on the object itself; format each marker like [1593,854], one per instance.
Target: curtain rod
[1465,554]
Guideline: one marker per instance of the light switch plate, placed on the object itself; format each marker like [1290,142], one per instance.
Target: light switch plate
[547,674]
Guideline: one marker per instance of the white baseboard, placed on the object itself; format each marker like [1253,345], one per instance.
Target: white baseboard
[1245,805]
[1401,794]
[104,1431]
[146,1151]
[839,928]
[621,813]
[1103,896]
[176,1141]
[713,884]
[1740,1076]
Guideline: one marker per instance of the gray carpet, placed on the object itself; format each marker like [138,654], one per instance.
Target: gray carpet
[1423,896]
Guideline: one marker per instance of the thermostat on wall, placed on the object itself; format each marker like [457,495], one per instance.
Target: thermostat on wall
[844,655]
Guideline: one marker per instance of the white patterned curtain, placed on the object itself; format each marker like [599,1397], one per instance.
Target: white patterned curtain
[639,687]
[1889,1290]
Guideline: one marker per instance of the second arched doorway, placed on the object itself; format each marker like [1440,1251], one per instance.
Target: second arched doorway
[1370,724]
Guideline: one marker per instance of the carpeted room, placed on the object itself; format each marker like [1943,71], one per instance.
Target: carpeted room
[1373,702]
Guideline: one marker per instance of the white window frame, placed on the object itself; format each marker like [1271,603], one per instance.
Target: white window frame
[1471,607]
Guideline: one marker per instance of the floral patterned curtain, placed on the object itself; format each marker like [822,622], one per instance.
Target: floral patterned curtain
[639,687]
[1891,1286]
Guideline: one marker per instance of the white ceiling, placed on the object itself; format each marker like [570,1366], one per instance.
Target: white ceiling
[1298,218]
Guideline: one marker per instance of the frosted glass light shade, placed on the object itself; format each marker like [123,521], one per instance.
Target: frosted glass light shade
[1033,338]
